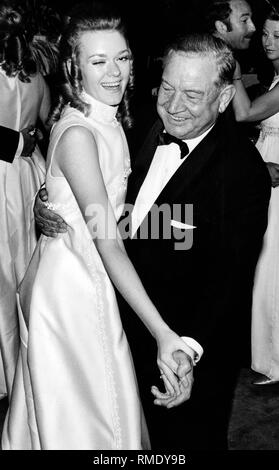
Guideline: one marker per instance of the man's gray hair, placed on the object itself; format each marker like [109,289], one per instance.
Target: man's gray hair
[205,45]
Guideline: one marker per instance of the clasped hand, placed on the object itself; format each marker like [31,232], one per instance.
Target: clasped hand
[178,384]
[30,137]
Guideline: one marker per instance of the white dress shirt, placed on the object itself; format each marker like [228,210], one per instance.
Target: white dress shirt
[165,163]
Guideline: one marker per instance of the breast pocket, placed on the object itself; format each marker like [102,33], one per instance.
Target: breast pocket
[182,234]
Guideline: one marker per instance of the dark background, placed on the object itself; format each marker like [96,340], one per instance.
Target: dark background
[152,23]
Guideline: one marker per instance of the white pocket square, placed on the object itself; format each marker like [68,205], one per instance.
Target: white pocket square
[181,225]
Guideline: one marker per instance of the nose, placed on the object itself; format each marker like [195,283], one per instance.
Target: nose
[252,27]
[267,40]
[113,69]
[175,104]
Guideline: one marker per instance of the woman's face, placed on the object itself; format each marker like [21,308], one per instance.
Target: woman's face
[105,62]
[270,39]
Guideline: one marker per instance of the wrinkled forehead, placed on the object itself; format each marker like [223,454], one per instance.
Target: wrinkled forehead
[180,67]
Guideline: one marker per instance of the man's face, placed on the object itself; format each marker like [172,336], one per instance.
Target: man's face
[188,100]
[242,26]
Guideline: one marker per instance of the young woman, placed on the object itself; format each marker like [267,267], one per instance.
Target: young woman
[75,372]
[24,97]
[265,312]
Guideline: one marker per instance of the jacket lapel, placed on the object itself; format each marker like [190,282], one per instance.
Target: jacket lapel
[143,162]
[186,175]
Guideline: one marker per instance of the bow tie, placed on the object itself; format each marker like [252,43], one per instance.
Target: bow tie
[165,139]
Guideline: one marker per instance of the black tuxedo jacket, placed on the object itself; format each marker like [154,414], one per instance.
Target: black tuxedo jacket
[9,143]
[205,291]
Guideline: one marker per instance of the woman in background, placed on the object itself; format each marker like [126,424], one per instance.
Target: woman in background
[24,97]
[265,310]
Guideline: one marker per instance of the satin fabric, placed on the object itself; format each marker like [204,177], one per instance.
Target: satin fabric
[75,385]
[265,312]
[20,105]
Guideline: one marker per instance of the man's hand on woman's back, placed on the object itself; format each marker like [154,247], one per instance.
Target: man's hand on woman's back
[47,220]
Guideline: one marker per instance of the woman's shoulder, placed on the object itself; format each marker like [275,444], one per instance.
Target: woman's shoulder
[71,122]
[70,132]
[70,117]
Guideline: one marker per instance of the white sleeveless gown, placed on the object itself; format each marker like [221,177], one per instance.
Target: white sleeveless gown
[20,105]
[265,312]
[75,385]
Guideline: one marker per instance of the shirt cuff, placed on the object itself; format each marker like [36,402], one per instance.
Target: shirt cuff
[20,146]
[195,349]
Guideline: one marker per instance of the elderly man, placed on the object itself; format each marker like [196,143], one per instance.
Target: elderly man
[204,292]
[231,20]
[199,273]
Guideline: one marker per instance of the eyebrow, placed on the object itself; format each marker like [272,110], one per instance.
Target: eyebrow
[165,81]
[246,14]
[105,55]
[199,92]
[267,31]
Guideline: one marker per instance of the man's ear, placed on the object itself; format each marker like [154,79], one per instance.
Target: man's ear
[220,27]
[225,97]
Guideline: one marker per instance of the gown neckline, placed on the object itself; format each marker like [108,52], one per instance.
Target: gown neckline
[100,111]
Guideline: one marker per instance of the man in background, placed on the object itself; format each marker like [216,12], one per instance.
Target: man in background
[231,20]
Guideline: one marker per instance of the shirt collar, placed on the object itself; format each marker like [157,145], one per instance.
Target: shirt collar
[192,143]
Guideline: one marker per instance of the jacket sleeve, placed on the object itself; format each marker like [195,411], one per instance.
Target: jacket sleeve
[225,300]
[9,143]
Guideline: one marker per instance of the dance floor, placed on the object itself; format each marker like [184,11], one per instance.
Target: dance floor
[254,421]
